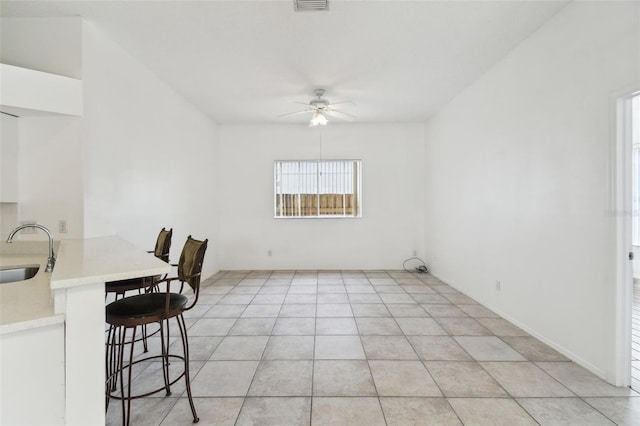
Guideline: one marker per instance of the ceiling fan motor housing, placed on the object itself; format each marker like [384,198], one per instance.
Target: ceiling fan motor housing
[319,103]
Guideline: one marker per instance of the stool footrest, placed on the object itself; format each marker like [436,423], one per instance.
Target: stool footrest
[115,375]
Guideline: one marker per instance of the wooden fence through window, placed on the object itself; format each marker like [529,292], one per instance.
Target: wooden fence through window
[316,205]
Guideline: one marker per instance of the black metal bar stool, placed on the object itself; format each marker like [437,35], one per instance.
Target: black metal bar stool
[158,307]
[161,251]
[119,289]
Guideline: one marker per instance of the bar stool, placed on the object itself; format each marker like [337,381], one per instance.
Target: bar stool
[161,251]
[159,307]
[119,288]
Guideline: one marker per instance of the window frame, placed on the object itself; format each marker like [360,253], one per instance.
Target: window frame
[357,190]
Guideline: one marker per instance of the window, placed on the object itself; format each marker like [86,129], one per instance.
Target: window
[317,188]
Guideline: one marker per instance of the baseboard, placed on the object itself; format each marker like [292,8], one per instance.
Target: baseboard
[564,351]
[214,275]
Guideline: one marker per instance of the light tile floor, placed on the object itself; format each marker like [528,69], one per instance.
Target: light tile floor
[367,348]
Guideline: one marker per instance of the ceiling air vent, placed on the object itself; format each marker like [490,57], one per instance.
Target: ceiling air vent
[306,5]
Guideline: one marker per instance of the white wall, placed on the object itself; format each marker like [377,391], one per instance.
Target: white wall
[51,45]
[392,197]
[9,143]
[140,159]
[50,174]
[9,139]
[517,177]
[149,156]
[50,147]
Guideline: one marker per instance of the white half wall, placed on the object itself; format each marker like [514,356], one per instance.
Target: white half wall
[149,156]
[518,180]
[390,229]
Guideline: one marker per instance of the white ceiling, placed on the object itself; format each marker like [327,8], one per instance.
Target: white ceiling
[249,61]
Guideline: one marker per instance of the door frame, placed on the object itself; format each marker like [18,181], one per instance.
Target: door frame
[622,213]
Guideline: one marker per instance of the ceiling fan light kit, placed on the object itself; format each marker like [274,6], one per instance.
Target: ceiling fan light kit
[321,108]
[318,119]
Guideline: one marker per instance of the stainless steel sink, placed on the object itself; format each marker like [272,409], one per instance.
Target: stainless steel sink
[11,274]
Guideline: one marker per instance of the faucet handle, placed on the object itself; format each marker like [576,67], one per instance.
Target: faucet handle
[51,262]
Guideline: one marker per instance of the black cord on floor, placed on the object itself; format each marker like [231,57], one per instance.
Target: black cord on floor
[421,269]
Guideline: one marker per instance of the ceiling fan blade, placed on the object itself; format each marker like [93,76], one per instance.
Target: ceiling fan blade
[342,102]
[341,115]
[302,103]
[296,113]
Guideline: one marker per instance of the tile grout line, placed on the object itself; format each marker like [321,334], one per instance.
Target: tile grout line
[394,317]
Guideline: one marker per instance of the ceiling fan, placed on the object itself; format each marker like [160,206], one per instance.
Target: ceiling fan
[321,108]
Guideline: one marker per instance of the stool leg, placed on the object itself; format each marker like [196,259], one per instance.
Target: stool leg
[144,329]
[165,359]
[108,356]
[185,348]
[144,338]
[120,371]
[113,364]
[126,412]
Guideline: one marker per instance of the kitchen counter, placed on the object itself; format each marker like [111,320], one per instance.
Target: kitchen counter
[53,325]
[100,260]
[26,304]
[31,303]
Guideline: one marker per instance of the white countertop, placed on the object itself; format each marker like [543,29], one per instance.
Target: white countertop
[29,304]
[102,259]
[26,304]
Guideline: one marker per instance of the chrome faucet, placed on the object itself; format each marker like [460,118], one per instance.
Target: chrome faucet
[51,261]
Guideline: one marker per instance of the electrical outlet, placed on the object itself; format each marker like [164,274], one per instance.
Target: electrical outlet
[28,230]
[498,285]
[62,226]
[269,253]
